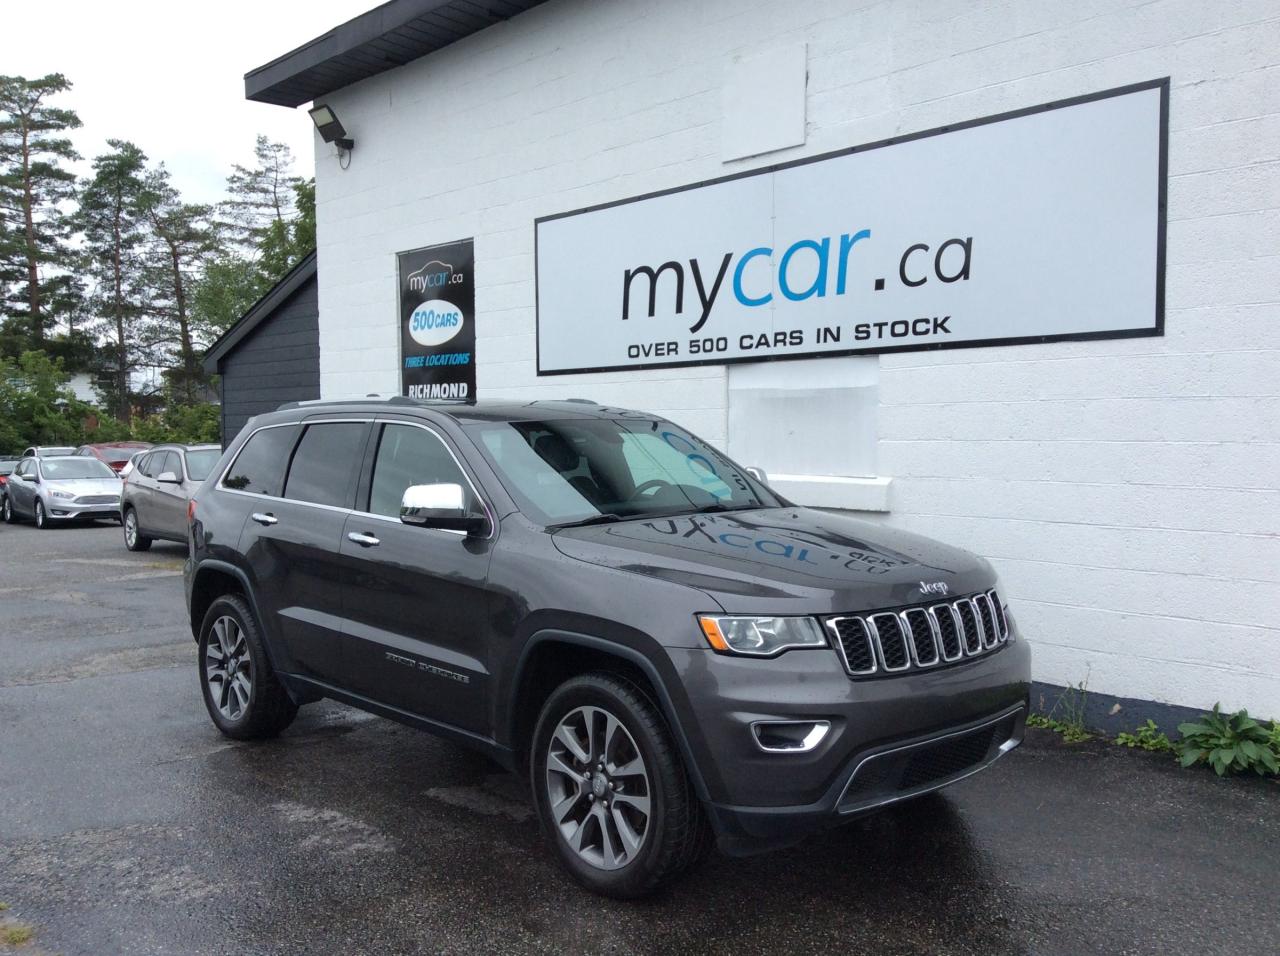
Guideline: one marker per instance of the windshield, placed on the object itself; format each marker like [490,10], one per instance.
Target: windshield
[65,469]
[575,470]
[58,450]
[201,462]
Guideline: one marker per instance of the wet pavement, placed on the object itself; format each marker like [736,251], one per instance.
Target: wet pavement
[129,825]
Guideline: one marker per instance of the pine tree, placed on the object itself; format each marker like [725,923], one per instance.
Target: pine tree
[261,199]
[37,278]
[113,209]
[182,237]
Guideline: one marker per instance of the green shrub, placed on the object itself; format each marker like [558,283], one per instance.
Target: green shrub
[1229,743]
[1146,737]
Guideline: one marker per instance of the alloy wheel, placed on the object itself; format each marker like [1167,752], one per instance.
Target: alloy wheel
[130,528]
[39,515]
[598,788]
[228,669]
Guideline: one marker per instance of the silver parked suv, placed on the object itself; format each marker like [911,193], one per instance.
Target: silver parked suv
[157,489]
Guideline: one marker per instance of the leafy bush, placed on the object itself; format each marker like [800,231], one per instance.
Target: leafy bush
[1072,733]
[1146,737]
[1229,743]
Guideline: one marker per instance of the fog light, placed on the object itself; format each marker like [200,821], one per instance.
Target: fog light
[789,736]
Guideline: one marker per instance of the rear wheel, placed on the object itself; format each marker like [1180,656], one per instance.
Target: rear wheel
[133,539]
[7,509]
[241,691]
[612,794]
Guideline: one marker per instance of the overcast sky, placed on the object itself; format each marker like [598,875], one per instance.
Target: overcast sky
[170,75]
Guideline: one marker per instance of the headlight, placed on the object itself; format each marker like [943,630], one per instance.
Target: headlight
[760,636]
[62,494]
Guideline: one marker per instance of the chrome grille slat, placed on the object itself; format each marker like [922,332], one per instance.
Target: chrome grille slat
[949,640]
[986,621]
[969,627]
[853,639]
[891,641]
[1001,621]
[919,637]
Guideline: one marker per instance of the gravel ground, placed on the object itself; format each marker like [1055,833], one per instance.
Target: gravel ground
[129,825]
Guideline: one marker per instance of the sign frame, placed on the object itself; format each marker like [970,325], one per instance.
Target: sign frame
[1155,329]
[466,247]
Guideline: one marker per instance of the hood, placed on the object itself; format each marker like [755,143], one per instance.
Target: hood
[86,486]
[783,560]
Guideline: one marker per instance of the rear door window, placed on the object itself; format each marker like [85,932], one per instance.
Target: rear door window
[259,467]
[323,467]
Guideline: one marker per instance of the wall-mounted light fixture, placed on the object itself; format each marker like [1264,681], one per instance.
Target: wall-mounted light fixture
[330,130]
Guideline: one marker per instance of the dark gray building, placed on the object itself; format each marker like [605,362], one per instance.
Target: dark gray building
[272,354]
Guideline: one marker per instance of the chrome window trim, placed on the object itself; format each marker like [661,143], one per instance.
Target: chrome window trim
[303,423]
[879,642]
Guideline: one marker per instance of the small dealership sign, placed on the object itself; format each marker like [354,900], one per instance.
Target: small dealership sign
[1034,226]
[437,321]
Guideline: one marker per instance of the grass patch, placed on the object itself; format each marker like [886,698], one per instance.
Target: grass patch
[16,934]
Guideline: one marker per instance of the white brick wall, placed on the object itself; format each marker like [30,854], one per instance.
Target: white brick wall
[1128,491]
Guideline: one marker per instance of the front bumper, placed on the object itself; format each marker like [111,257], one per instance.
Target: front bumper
[890,738]
[58,509]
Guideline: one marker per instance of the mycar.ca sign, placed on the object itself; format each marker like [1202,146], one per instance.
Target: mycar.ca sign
[1034,226]
[437,322]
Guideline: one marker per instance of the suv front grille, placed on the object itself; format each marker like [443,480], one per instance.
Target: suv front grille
[914,638]
[98,500]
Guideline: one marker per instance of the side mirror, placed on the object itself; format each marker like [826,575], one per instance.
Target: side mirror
[442,506]
[758,474]
[169,478]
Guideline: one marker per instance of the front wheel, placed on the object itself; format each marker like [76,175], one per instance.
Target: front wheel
[241,691]
[133,539]
[41,521]
[612,794]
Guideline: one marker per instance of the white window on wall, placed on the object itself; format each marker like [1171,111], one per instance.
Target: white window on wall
[812,426]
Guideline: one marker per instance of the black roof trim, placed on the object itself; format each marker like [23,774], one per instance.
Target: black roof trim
[390,35]
[293,280]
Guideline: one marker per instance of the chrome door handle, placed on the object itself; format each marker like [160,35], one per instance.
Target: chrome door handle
[261,518]
[364,540]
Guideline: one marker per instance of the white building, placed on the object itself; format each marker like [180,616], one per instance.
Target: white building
[1126,487]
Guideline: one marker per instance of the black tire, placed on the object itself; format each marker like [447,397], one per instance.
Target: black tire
[42,522]
[267,709]
[6,510]
[676,833]
[135,540]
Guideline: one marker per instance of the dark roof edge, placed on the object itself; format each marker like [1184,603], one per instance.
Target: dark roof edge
[274,297]
[390,35]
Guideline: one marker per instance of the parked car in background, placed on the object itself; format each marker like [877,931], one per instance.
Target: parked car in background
[116,454]
[153,503]
[48,451]
[6,469]
[62,488]
[128,465]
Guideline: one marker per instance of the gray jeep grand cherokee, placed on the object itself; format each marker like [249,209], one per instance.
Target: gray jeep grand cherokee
[597,598]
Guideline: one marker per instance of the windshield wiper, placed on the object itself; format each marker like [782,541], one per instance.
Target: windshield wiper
[602,518]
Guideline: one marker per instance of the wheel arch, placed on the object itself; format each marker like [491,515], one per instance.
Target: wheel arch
[552,656]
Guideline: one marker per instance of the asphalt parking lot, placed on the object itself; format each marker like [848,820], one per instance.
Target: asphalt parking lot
[128,825]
